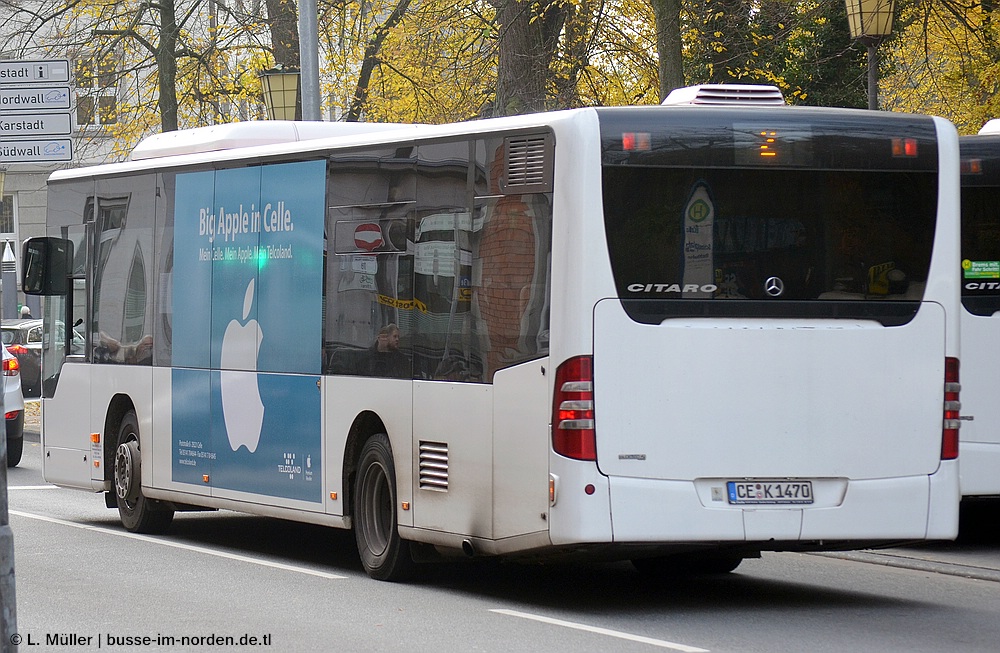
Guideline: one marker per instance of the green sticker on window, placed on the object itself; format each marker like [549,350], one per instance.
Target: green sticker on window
[980,269]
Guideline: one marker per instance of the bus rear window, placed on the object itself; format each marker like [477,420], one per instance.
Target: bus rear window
[980,249]
[771,241]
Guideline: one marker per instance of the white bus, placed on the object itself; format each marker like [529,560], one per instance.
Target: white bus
[677,335]
[980,438]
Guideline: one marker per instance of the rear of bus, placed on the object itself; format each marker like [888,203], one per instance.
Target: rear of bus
[772,317]
[980,446]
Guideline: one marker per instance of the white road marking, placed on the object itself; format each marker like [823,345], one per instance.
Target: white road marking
[181,545]
[604,631]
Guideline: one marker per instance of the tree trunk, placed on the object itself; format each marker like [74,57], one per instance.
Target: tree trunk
[284,22]
[528,42]
[166,60]
[668,45]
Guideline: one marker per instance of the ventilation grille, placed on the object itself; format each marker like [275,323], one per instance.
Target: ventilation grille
[434,466]
[529,164]
[727,95]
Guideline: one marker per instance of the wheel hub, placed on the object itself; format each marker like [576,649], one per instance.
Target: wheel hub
[125,469]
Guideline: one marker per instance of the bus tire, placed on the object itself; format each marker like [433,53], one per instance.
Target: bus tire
[384,555]
[138,514]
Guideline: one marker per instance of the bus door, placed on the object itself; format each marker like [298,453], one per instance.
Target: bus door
[68,455]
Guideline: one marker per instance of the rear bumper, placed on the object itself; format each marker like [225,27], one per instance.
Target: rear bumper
[910,508]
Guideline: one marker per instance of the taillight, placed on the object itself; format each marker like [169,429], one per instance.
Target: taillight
[573,410]
[952,410]
[11,415]
[11,367]
[17,349]
[904,147]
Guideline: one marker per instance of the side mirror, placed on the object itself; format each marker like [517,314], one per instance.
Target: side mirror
[45,266]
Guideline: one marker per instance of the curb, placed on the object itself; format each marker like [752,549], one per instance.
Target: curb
[917,564]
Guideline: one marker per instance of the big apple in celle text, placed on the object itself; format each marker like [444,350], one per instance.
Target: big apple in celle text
[242,409]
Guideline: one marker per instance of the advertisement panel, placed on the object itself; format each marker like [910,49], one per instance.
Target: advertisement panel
[246,399]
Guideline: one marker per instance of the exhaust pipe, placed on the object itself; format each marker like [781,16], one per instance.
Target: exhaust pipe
[468,549]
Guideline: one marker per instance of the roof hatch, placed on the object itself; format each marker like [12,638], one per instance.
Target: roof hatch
[727,95]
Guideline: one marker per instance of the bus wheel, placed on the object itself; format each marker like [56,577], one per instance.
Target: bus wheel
[138,514]
[384,555]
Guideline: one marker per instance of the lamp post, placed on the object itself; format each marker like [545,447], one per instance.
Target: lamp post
[8,602]
[280,86]
[870,22]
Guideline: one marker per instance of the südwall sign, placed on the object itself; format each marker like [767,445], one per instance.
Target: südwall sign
[32,105]
[36,151]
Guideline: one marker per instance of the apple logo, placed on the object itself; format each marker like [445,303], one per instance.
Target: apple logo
[242,409]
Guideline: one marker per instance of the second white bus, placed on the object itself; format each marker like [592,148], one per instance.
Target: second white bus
[980,270]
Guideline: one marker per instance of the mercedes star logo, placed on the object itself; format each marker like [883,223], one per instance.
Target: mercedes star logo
[774,286]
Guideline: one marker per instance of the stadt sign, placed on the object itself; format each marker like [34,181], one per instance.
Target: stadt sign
[34,71]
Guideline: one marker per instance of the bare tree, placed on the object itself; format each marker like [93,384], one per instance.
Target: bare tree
[371,59]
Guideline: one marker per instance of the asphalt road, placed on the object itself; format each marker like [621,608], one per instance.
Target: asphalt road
[975,554]
[79,574]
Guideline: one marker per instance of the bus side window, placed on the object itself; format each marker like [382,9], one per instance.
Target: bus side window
[511,296]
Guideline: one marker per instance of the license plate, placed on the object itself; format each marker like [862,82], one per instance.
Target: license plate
[775,492]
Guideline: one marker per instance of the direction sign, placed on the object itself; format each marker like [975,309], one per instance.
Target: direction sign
[34,71]
[35,124]
[34,104]
[36,150]
[16,98]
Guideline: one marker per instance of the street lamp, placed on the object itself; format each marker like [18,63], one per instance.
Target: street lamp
[870,22]
[280,86]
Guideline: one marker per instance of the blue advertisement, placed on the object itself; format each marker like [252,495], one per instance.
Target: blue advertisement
[247,329]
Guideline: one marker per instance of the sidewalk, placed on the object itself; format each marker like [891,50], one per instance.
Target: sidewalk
[975,554]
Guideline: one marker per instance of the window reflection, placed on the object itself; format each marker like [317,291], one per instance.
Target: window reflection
[440,253]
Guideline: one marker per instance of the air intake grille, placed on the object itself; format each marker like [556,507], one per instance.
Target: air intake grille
[529,164]
[434,466]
